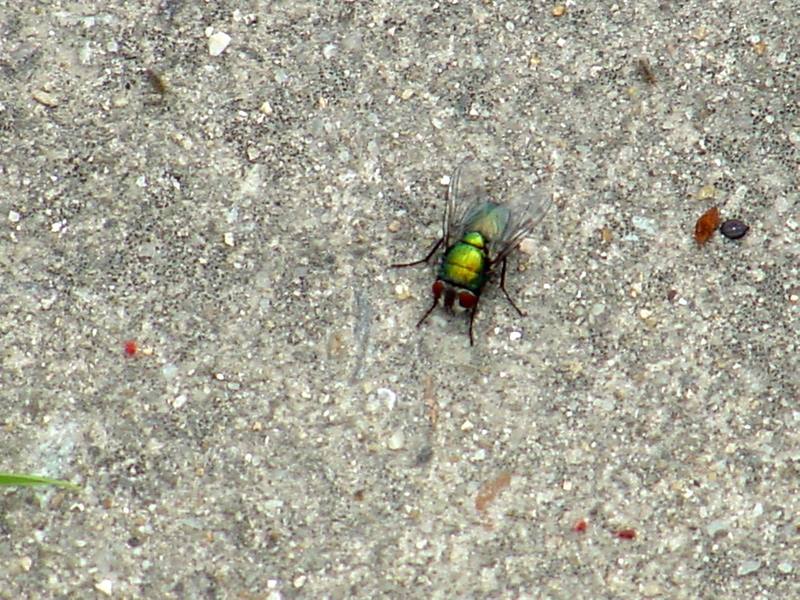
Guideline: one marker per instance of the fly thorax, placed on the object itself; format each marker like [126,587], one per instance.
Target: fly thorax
[474,238]
[465,264]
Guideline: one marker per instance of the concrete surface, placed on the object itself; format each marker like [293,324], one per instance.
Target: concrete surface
[225,183]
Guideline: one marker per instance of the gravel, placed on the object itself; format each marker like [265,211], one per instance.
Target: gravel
[225,184]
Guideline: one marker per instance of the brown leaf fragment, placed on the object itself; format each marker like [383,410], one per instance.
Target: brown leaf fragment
[429,395]
[706,225]
[491,489]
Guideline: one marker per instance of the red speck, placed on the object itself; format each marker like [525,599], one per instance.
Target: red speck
[626,534]
[706,225]
[580,526]
[130,348]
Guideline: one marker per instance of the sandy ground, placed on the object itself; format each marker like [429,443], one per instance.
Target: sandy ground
[226,183]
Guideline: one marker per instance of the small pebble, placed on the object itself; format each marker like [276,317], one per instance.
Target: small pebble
[748,566]
[733,229]
[253,154]
[104,586]
[402,291]
[707,192]
[266,108]
[329,51]
[45,98]
[597,309]
[387,396]
[169,371]
[396,441]
[528,246]
[785,567]
[217,42]
[718,527]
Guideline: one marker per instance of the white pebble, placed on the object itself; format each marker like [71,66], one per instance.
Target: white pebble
[748,566]
[104,586]
[387,396]
[266,108]
[13,216]
[402,291]
[396,441]
[217,42]
[717,527]
[329,51]
[26,562]
[528,246]
[515,335]
[45,98]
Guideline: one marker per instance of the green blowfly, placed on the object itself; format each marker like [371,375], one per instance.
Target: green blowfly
[478,235]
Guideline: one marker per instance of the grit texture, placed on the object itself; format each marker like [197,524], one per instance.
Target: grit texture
[199,204]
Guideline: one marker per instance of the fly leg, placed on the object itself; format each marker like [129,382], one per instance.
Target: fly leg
[471,322]
[430,310]
[503,287]
[419,262]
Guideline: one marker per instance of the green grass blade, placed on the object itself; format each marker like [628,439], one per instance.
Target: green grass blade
[28,480]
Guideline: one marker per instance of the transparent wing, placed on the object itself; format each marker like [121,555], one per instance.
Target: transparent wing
[526,212]
[466,191]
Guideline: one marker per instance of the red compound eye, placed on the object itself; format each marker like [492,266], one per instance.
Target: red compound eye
[438,288]
[467,299]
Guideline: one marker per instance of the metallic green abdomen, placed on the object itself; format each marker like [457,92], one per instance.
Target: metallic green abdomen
[465,265]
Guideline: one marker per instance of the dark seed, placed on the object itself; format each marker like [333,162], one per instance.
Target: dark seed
[733,229]
[424,455]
